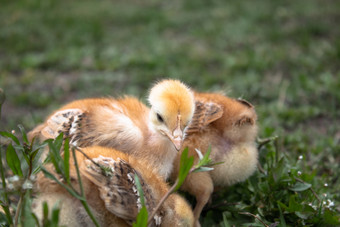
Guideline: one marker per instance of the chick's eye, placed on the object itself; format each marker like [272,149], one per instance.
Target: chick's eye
[159,118]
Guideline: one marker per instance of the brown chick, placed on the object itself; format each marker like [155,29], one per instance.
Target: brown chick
[229,127]
[112,194]
[127,125]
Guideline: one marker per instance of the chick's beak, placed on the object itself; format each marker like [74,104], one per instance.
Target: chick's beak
[177,141]
[177,135]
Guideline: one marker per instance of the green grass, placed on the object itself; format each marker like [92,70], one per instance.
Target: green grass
[282,56]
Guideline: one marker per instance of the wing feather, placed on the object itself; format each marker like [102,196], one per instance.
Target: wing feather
[68,121]
[205,113]
[117,187]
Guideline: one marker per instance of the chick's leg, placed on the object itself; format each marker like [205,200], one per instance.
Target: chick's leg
[201,186]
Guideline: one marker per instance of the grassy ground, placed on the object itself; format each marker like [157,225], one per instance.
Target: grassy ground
[282,56]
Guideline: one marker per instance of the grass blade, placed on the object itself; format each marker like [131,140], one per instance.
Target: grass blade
[51,176]
[66,160]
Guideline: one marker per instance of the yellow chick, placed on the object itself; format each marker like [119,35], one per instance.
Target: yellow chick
[112,194]
[127,125]
[229,127]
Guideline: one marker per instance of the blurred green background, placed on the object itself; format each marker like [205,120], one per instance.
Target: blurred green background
[283,56]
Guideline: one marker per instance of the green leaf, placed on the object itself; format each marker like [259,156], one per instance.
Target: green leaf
[34,153]
[58,142]
[13,161]
[66,161]
[203,169]
[282,219]
[140,190]
[23,133]
[36,219]
[299,187]
[52,156]
[27,159]
[10,135]
[142,218]
[331,218]
[54,153]
[55,214]
[293,205]
[225,221]
[45,221]
[303,214]
[282,205]
[279,169]
[185,166]
[205,160]
[5,202]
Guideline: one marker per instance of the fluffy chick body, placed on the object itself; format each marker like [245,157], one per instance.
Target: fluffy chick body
[229,127]
[113,197]
[128,125]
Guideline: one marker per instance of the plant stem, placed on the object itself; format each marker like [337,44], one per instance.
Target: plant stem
[6,207]
[84,202]
[259,166]
[89,212]
[247,213]
[16,217]
[86,156]
[314,193]
[69,188]
[162,201]
[78,174]
[171,190]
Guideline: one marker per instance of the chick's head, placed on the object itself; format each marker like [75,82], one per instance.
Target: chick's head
[238,122]
[172,107]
